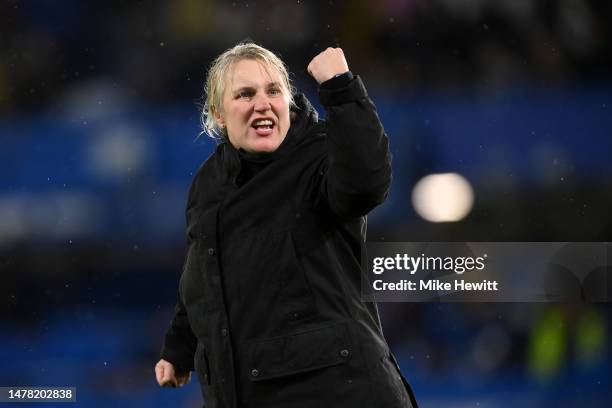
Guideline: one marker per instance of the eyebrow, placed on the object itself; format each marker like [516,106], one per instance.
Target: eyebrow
[250,87]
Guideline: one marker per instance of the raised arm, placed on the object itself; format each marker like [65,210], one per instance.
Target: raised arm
[357,175]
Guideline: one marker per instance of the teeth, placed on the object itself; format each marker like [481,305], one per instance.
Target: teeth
[263,122]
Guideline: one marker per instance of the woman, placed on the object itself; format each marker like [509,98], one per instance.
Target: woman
[269,311]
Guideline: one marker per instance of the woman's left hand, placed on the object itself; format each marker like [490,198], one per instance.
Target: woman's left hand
[328,64]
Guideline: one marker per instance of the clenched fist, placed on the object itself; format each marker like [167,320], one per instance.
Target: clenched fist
[167,377]
[327,65]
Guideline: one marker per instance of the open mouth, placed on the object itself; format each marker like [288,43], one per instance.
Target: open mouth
[263,127]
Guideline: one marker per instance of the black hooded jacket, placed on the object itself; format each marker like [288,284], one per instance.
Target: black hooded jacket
[270,311]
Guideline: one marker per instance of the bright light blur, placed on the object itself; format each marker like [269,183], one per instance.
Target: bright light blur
[443,197]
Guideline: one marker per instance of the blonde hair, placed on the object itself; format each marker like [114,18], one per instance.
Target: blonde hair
[214,86]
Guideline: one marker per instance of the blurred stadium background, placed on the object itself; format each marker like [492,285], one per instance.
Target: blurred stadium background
[99,129]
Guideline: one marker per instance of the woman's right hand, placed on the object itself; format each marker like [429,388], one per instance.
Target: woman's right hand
[168,377]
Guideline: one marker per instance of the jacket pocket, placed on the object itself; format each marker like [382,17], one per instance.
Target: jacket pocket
[298,353]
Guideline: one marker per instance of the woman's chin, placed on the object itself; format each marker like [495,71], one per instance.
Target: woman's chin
[263,145]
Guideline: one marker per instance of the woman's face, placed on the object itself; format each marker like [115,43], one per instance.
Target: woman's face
[255,109]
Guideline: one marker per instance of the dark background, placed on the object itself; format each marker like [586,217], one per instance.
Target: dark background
[99,125]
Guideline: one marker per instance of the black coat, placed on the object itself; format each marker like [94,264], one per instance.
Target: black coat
[270,311]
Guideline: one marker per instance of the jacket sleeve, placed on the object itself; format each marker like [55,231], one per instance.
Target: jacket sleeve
[357,174]
[180,342]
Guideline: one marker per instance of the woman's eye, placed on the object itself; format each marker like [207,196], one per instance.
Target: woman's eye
[274,91]
[244,94]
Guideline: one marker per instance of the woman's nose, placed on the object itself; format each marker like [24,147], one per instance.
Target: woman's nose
[262,103]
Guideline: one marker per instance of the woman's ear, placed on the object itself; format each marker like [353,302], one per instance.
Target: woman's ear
[219,120]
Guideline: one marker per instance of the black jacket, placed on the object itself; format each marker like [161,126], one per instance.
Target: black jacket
[270,311]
